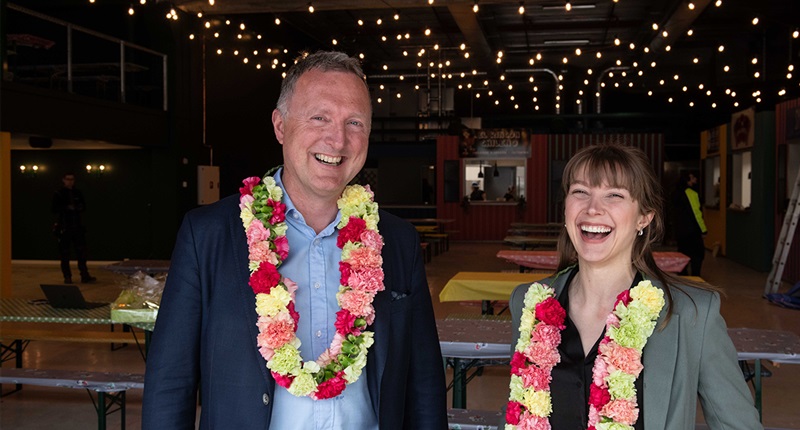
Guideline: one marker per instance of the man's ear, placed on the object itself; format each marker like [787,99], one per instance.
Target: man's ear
[278,124]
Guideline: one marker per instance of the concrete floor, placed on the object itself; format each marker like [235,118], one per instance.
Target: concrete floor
[37,407]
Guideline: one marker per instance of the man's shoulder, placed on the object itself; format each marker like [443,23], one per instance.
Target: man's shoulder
[222,208]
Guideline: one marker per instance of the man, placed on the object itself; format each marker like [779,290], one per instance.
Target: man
[689,224]
[206,334]
[68,204]
[477,193]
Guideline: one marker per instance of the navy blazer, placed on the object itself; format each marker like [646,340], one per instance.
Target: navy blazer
[206,334]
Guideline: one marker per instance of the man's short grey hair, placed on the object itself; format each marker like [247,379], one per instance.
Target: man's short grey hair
[326,61]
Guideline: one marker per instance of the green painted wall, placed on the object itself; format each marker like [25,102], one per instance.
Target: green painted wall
[750,233]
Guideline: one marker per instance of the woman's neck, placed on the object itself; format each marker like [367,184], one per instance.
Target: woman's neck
[598,287]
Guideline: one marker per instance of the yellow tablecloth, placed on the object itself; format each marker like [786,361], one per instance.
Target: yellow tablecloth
[485,285]
[491,285]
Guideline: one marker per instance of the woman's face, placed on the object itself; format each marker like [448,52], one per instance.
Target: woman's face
[602,221]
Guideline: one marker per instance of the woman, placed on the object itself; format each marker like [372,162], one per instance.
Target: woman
[616,343]
[689,224]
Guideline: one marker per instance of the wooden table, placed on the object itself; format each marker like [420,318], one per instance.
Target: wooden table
[548,260]
[477,339]
[129,267]
[532,241]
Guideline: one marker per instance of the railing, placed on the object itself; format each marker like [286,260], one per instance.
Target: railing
[47,52]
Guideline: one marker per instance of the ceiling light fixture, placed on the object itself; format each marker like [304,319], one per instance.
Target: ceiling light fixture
[572,6]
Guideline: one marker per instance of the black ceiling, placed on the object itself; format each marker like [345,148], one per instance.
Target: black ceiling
[689,70]
[679,73]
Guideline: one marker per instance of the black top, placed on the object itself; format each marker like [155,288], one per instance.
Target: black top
[573,375]
[67,206]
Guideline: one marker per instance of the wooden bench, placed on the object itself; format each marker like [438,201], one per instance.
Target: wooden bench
[14,341]
[110,387]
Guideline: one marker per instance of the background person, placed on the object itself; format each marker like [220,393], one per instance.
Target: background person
[215,333]
[477,193]
[68,205]
[623,341]
[689,224]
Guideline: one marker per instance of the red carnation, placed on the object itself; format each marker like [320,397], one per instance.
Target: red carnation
[345,323]
[278,211]
[513,413]
[330,388]
[263,279]
[344,269]
[517,362]
[550,312]
[283,381]
[249,183]
[598,396]
[624,297]
[293,313]
[351,232]
[282,246]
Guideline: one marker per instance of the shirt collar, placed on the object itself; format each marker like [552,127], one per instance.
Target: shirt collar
[292,214]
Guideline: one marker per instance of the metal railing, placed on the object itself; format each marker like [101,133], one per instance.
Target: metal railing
[48,52]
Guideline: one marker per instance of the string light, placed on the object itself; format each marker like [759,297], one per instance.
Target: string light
[131,11]
[475,7]
[310,8]
[568,6]
[521,9]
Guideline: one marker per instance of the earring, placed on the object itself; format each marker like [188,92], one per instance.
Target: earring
[641,232]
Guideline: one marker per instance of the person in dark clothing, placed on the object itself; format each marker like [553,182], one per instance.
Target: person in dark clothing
[68,204]
[477,193]
[689,225]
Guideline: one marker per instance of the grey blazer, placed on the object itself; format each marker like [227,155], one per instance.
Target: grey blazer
[691,356]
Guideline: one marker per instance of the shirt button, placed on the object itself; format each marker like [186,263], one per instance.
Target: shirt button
[319,333]
[296,215]
[316,242]
[316,285]
[265,399]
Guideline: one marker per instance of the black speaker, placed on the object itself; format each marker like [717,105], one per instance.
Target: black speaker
[40,142]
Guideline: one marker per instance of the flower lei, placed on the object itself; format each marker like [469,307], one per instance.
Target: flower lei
[612,394]
[263,217]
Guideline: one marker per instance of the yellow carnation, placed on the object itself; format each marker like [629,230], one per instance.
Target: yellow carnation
[649,295]
[272,303]
[538,402]
[303,385]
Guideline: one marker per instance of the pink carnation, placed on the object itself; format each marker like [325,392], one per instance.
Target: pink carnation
[290,285]
[628,360]
[599,372]
[612,320]
[330,388]
[282,246]
[256,233]
[529,421]
[293,313]
[513,412]
[594,417]
[546,334]
[359,303]
[325,358]
[275,332]
[244,200]
[260,252]
[372,239]
[623,411]
[364,258]
[249,183]
[542,355]
[278,211]
[336,345]
[535,377]
[369,280]
[283,381]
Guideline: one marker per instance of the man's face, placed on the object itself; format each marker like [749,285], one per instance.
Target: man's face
[324,133]
[692,180]
[68,181]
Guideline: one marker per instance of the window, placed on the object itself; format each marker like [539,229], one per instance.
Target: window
[501,180]
[711,182]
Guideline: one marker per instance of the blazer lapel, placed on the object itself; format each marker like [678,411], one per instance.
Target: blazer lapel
[660,355]
[377,354]
[240,284]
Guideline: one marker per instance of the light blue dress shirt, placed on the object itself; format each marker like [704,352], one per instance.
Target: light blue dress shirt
[313,263]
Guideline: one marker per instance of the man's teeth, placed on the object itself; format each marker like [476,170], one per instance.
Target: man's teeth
[329,160]
[595,229]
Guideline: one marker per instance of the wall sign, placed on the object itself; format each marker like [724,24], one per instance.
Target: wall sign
[495,143]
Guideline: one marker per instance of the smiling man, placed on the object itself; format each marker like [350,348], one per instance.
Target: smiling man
[298,304]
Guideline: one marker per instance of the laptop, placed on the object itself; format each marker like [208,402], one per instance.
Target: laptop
[67,297]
